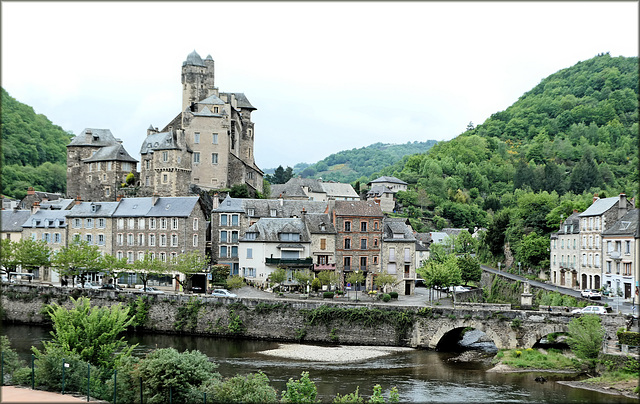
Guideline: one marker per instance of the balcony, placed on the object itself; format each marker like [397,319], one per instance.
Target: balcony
[615,255]
[324,267]
[291,262]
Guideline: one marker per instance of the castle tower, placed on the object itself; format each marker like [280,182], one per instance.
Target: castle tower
[197,79]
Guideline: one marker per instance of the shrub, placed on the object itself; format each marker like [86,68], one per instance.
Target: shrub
[327,295]
[252,388]
[12,361]
[516,323]
[300,391]
[386,297]
[585,336]
[394,295]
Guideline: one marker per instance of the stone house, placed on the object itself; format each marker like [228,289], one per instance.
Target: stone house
[11,222]
[398,254]
[209,144]
[322,235]
[314,190]
[358,227]
[601,215]
[564,253]
[383,190]
[92,222]
[47,200]
[97,165]
[620,255]
[393,183]
[273,243]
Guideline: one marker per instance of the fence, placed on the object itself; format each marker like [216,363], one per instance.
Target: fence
[10,375]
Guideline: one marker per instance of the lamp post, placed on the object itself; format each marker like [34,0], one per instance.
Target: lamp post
[519,273]
[499,263]
[356,272]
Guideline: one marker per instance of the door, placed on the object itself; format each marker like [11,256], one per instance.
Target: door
[407,288]
[627,290]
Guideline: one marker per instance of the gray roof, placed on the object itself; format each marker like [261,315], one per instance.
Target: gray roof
[358,208]
[94,137]
[294,188]
[424,238]
[627,225]
[600,206]
[43,217]
[393,180]
[57,204]
[571,220]
[315,222]
[421,247]
[133,207]
[269,228]
[397,225]
[212,100]
[262,207]
[338,189]
[164,207]
[193,59]
[379,190]
[159,141]
[111,153]
[85,209]
[12,220]
[242,100]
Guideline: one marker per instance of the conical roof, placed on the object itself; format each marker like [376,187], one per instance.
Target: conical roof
[193,60]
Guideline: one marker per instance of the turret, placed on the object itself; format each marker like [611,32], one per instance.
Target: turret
[197,79]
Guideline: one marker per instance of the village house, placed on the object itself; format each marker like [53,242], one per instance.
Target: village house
[314,190]
[398,254]
[383,190]
[11,223]
[564,264]
[620,255]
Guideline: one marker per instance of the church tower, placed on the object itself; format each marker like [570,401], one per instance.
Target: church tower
[197,79]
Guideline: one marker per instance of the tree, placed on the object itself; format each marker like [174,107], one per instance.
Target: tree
[219,273]
[470,270]
[77,259]
[147,267]
[329,278]
[90,332]
[8,254]
[303,277]
[32,254]
[533,250]
[111,265]
[465,243]
[384,279]
[235,282]
[277,277]
[441,274]
[239,191]
[355,278]
[187,265]
[300,391]
[585,336]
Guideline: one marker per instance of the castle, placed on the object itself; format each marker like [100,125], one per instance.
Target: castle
[209,145]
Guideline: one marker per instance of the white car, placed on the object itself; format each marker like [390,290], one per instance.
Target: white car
[223,293]
[591,294]
[459,289]
[151,290]
[590,310]
[87,285]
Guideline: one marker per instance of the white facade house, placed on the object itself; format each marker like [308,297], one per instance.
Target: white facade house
[620,255]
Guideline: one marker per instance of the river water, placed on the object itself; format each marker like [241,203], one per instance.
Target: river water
[421,376]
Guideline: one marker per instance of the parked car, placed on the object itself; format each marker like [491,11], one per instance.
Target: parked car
[459,289]
[87,285]
[223,293]
[151,290]
[591,294]
[111,286]
[420,282]
[590,310]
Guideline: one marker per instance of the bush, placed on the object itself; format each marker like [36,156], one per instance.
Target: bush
[252,388]
[300,391]
[327,295]
[585,336]
[386,297]
[628,338]
[394,295]
[12,361]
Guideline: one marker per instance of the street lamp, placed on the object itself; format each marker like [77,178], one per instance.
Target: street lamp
[356,272]
[499,263]
[519,268]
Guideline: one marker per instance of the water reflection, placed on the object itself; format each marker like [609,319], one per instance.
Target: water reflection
[420,375]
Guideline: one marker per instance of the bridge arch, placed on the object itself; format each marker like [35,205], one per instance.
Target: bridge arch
[501,341]
[534,335]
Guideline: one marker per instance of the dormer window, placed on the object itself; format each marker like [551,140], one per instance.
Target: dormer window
[251,212]
[289,236]
[273,213]
[250,236]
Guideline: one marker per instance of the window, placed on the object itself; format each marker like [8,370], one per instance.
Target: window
[101,223]
[250,236]
[46,237]
[119,255]
[88,223]
[163,257]
[407,255]
[289,236]
[174,240]
[141,223]
[196,157]
[234,252]
[273,213]
[363,244]
[562,243]
[88,237]
[347,263]
[323,243]
[131,223]
[223,251]
[77,223]
[214,158]
[129,257]
[363,263]
[165,178]
[627,247]
[375,226]
[609,246]
[120,239]
[100,239]
[626,268]
[195,223]
[147,164]
[195,240]
[140,239]
[140,256]
[163,240]
[223,236]
[165,156]
[152,240]
[196,137]
[375,260]
[249,253]
[597,261]
[174,223]
[121,223]
[375,242]
[163,223]
[234,236]
[251,212]
[347,243]
[234,220]
[363,226]
[223,220]
[56,238]
[214,138]
[347,226]
[152,223]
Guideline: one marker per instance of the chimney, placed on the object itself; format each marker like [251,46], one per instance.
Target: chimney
[304,212]
[622,206]
[118,198]
[595,198]
[31,191]
[78,200]
[154,199]
[35,207]
[216,200]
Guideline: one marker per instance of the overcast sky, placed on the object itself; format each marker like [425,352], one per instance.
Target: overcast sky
[324,77]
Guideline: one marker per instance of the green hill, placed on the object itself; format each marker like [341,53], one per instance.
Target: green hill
[360,164]
[33,150]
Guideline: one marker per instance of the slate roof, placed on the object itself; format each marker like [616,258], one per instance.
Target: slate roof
[268,229]
[397,225]
[378,190]
[600,206]
[262,207]
[111,153]
[159,141]
[627,226]
[57,204]
[358,208]
[164,207]
[242,100]
[83,209]
[294,188]
[574,220]
[94,137]
[424,238]
[437,236]
[393,180]
[314,222]
[193,59]
[212,100]
[338,189]
[44,216]
[12,220]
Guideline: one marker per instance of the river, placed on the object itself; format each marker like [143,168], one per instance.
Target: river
[421,376]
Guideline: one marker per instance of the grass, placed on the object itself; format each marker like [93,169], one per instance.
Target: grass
[534,359]
[613,377]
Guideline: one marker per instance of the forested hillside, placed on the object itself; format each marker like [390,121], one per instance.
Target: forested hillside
[33,150]
[526,168]
[359,164]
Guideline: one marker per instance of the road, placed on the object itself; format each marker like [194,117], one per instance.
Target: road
[617,304]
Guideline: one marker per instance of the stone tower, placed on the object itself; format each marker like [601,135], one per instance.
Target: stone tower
[197,79]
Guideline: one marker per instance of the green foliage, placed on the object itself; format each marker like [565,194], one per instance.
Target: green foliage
[77,258]
[327,295]
[235,282]
[394,295]
[252,388]
[166,368]
[12,361]
[138,310]
[278,276]
[239,191]
[303,277]
[386,297]
[384,279]
[280,175]
[441,274]
[300,391]
[470,270]
[350,398]
[585,336]
[329,278]
[631,338]
[34,150]
[534,359]
[187,317]
[187,264]
[219,274]
[355,277]
[236,326]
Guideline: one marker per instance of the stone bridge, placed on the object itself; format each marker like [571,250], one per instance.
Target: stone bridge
[508,329]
